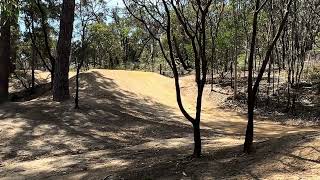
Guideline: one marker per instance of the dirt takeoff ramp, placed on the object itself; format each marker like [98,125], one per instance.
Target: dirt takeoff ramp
[129,127]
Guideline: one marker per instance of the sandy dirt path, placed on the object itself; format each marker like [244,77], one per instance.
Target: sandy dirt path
[129,127]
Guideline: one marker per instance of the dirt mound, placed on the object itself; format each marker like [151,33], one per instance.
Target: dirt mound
[129,127]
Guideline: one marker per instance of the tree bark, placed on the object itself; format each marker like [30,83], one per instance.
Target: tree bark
[197,139]
[4,60]
[61,73]
[249,132]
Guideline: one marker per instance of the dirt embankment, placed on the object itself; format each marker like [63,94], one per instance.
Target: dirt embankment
[129,127]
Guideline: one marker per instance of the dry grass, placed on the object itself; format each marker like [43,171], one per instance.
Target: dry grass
[129,127]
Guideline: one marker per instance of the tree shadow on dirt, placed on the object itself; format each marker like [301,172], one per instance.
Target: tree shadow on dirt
[23,79]
[111,120]
[289,154]
[121,135]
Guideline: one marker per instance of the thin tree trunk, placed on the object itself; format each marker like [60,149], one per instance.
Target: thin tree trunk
[236,74]
[269,82]
[246,58]
[236,52]
[231,76]
[33,62]
[273,76]
[76,100]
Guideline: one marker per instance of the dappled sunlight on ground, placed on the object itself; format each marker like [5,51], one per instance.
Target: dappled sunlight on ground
[129,126]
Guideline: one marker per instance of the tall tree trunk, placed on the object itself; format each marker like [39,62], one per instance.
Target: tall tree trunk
[231,72]
[236,74]
[269,81]
[4,60]
[212,66]
[82,56]
[61,79]
[236,50]
[273,76]
[246,59]
[249,131]
[252,92]
[79,66]
[76,100]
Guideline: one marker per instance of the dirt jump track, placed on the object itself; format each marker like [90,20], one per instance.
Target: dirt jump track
[129,127]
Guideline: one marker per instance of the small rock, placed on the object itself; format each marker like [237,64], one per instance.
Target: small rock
[184,173]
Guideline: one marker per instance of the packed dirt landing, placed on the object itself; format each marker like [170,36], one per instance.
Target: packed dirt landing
[129,127]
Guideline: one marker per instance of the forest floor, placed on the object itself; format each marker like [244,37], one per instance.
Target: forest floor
[272,102]
[129,127]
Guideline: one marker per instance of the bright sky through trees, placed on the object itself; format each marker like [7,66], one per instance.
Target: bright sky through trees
[115,3]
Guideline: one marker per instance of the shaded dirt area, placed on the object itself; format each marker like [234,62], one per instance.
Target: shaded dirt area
[129,127]
[272,99]
[22,80]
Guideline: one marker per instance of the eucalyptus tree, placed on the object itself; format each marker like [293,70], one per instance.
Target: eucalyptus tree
[38,15]
[192,16]
[253,88]
[61,73]
[8,12]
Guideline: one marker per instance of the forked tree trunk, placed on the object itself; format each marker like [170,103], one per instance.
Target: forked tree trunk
[252,91]
[249,131]
[201,63]
[61,73]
